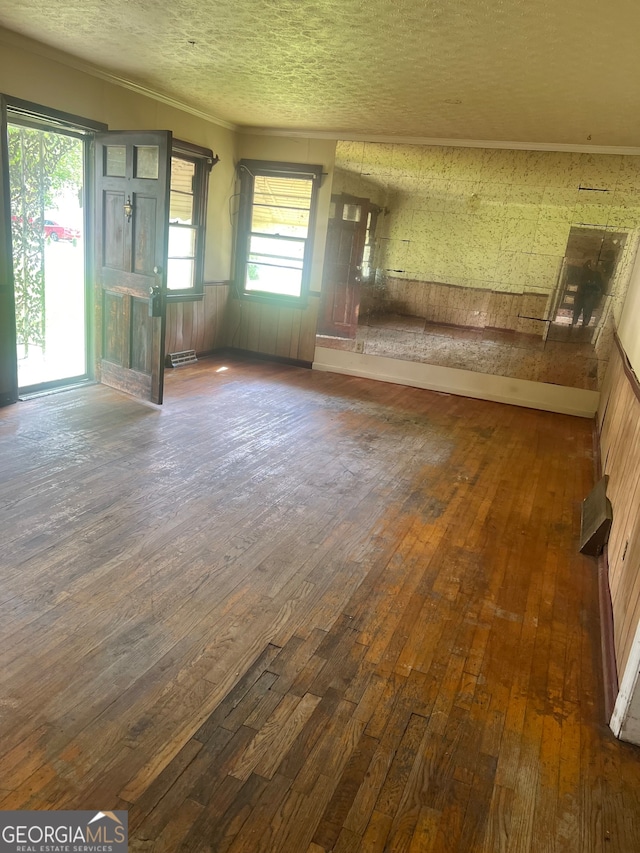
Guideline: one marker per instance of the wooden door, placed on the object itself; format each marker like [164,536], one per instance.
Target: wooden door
[132,225]
[343,267]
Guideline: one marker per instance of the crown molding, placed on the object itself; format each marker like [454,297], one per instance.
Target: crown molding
[444,143]
[13,39]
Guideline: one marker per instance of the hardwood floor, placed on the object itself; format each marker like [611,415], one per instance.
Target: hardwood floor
[295,612]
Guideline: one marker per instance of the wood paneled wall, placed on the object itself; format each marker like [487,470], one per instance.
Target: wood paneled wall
[198,325]
[619,425]
[222,321]
[439,302]
[272,329]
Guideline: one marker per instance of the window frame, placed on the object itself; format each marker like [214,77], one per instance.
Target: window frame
[247,171]
[203,160]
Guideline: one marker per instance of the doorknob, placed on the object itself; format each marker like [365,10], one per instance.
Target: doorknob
[157,270]
[128,209]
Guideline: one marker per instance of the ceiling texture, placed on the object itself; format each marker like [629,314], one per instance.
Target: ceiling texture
[538,71]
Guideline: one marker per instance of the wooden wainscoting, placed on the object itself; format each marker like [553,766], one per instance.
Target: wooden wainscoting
[198,325]
[439,302]
[619,425]
[268,329]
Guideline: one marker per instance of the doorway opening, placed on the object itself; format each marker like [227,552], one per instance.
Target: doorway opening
[46,179]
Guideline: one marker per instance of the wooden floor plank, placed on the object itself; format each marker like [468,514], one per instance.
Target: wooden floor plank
[296,611]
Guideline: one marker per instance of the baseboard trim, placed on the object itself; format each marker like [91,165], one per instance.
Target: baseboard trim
[464,383]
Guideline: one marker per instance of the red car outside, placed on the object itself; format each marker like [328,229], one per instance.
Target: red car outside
[52,230]
[59,232]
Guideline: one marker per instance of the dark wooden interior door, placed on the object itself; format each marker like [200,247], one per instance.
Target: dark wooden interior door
[343,267]
[132,228]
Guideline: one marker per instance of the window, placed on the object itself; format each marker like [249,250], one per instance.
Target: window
[275,229]
[190,167]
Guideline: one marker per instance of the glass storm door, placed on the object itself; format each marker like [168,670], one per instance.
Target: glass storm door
[46,181]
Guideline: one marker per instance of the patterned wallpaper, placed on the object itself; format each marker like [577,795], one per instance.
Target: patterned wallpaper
[470,252]
[489,218]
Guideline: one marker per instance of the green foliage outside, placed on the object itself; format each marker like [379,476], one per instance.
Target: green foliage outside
[42,166]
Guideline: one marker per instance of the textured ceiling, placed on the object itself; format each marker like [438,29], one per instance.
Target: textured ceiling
[558,71]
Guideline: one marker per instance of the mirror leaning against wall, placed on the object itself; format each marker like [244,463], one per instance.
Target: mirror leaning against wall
[512,263]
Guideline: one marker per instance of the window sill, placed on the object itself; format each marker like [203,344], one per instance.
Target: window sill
[184,297]
[300,302]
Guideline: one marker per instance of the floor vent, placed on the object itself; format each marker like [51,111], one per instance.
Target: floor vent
[176,359]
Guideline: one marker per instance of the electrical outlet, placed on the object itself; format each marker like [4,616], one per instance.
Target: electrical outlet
[359,346]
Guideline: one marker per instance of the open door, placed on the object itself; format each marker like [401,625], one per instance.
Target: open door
[132,180]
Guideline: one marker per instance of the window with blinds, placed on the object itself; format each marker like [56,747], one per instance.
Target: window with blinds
[190,167]
[277,205]
[183,229]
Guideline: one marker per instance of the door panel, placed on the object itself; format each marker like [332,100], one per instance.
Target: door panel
[132,224]
[141,330]
[113,246]
[113,338]
[145,229]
